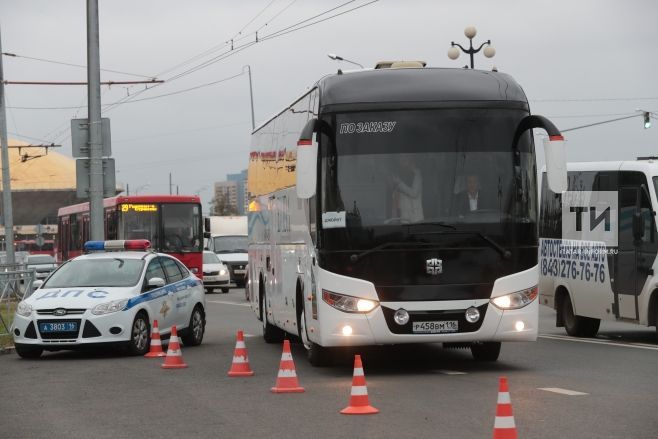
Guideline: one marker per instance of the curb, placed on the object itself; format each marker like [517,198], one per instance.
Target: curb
[7,350]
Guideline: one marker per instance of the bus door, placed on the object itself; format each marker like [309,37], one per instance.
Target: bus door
[637,245]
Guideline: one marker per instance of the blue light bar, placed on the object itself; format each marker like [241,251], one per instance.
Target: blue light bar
[91,246]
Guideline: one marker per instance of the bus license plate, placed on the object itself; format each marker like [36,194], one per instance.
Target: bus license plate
[435,327]
[58,327]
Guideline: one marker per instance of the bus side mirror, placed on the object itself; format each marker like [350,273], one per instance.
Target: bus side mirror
[307,161]
[206,225]
[554,150]
[556,163]
[206,235]
[638,225]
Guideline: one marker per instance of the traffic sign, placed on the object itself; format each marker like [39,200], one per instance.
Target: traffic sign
[82,178]
[39,241]
[80,137]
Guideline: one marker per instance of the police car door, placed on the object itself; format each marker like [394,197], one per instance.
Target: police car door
[159,303]
[175,289]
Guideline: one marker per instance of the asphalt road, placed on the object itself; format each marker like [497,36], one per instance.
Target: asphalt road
[603,388]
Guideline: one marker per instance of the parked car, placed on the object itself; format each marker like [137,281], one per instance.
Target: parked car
[43,265]
[111,298]
[215,273]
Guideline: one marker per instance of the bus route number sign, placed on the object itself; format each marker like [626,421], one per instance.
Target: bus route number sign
[130,207]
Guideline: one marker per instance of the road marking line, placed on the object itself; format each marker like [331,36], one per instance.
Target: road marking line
[227,303]
[451,372]
[562,391]
[604,342]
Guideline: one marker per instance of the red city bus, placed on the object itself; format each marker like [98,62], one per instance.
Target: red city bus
[30,246]
[172,223]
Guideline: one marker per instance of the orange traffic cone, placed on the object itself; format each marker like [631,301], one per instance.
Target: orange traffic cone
[240,366]
[156,343]
[286,380]
[504,426]
[359,404]
[174,359]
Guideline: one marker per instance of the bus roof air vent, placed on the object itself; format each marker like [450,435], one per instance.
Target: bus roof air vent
[400,64]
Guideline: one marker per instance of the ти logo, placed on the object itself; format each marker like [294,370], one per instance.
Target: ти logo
[590,216]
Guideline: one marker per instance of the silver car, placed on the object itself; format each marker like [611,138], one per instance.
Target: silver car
[43,265]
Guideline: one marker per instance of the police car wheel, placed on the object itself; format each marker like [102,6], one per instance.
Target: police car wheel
[225,290]
[193,334]
[26,351]
[139,335]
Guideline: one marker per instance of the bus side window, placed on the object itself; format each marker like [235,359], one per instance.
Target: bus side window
[649,235]
[111,219]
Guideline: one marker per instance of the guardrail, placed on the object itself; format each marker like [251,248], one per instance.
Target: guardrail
[15,283]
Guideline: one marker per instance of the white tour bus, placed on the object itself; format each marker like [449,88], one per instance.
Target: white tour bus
[399,205]
[588,280]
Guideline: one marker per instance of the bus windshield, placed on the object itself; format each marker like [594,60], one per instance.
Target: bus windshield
[180,223]
[444,167]
[170,228]
[655,184]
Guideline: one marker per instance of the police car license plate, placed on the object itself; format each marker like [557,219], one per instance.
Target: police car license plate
[239,271]
[58,326]
[435,327]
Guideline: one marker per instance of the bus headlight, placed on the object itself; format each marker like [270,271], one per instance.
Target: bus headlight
[348,303]
[516,300]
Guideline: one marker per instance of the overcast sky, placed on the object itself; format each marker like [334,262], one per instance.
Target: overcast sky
[579,62]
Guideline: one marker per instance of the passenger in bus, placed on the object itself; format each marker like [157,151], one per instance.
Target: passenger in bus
[470,200]
[407,192]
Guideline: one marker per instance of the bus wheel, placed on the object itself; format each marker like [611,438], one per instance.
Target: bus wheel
[578,326]
[487,351]
[271,333]
[317,355]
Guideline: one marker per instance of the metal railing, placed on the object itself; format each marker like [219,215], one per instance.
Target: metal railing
[15,283]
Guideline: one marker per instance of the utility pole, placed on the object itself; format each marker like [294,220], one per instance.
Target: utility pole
[94,116]
[251,97]
[170,184]
[7,213]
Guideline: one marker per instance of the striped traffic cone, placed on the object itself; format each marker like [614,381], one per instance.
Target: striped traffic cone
[156,343]
[174,358]
[359,404]
[504,426]
[286,380]
[240,366]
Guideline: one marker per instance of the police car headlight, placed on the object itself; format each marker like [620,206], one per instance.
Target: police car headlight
[516,300]
[23,309]
[109,307]
[222,272]
[348,303]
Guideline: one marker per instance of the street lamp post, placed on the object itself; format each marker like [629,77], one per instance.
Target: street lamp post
[470,32]
[340,58]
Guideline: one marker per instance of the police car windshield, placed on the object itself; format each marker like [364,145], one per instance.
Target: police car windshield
[110,272]
[210,258]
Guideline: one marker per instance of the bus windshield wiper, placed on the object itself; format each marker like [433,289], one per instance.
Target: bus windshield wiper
[435,223]
[502,250]
[356,256]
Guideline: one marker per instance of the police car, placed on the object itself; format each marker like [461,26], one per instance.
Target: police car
[108,296]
